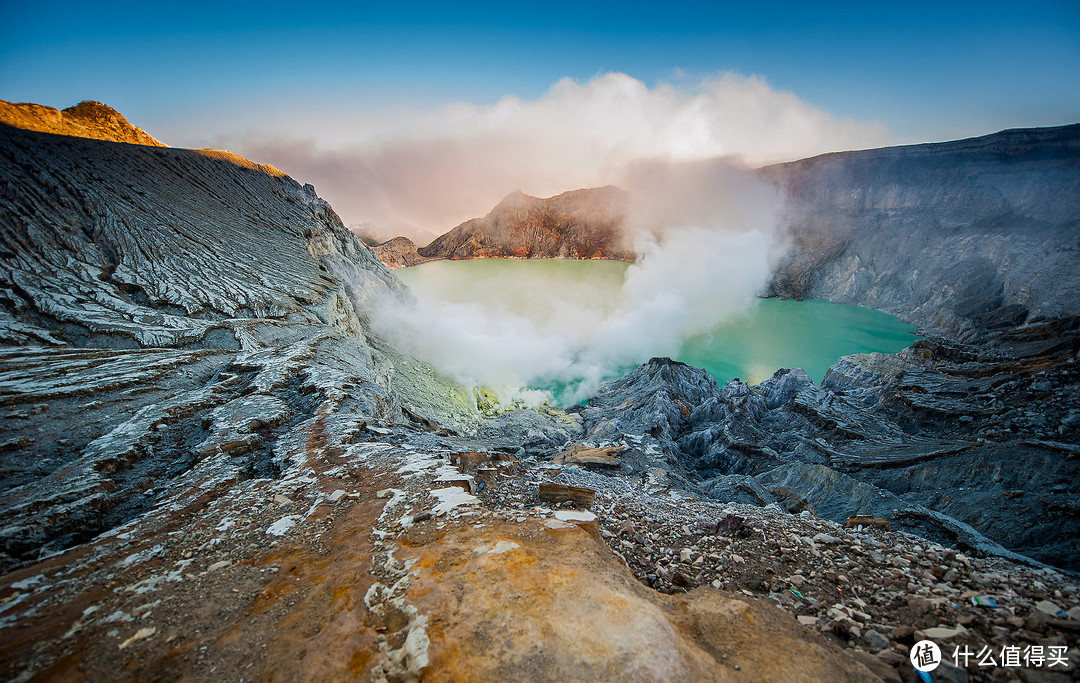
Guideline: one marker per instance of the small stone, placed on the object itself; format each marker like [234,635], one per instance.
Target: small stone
[1036,621]
[879,668]
[806,620]
[685,554]
[826,539]
[141,634]
[336,496]
[756,585]
[876,641]
[940,633]
[1048,608]
[946,672]
[904,634]
[578,516]
[918,605]
[558,493]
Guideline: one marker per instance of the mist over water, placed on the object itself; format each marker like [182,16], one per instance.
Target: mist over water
[542,299]
[707,235]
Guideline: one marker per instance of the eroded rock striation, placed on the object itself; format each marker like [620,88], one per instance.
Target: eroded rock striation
[161,313]
[972,445]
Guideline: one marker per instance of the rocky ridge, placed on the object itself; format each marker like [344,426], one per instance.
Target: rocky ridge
[580,224]
[954,450]
[399,252]
[954,237]
[87,119]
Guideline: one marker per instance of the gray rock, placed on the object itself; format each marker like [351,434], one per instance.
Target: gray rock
[875,640]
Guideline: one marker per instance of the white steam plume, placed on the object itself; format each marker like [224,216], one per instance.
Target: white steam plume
[707,234]
[434,169]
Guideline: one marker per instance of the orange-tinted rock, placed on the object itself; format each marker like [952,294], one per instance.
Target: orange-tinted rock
[558,605]
[584,455]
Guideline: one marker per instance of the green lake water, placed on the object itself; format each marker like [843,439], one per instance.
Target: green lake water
[772,334]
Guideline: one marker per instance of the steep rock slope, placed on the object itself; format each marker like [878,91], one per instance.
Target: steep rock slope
[161,312]
[954,236]
[87,119]
[581,224]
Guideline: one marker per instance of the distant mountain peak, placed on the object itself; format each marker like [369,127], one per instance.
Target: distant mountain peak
[579,224]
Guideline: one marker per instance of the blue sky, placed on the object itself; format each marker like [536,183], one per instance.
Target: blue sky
[925,70]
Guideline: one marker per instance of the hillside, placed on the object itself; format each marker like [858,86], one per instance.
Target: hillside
[954,237]
[581,224]
[87,119]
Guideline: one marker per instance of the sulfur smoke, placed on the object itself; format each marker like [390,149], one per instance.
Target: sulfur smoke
[707,233]
[425,171]
[706,229]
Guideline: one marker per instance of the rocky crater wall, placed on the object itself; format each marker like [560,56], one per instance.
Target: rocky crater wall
[955,237]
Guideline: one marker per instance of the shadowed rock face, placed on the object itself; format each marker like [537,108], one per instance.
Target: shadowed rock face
[955,237]
[582,224]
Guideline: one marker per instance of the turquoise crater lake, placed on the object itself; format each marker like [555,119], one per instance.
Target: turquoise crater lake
[770,334]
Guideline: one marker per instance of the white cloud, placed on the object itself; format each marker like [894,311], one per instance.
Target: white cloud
[435,169]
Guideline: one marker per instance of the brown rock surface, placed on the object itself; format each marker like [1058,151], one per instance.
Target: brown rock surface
[581,224]
[558,605]
[399,252]
[87,119]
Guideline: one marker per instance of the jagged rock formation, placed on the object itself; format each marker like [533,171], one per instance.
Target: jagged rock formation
[581,224]
[87,119]
[954,237]
[969,445]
